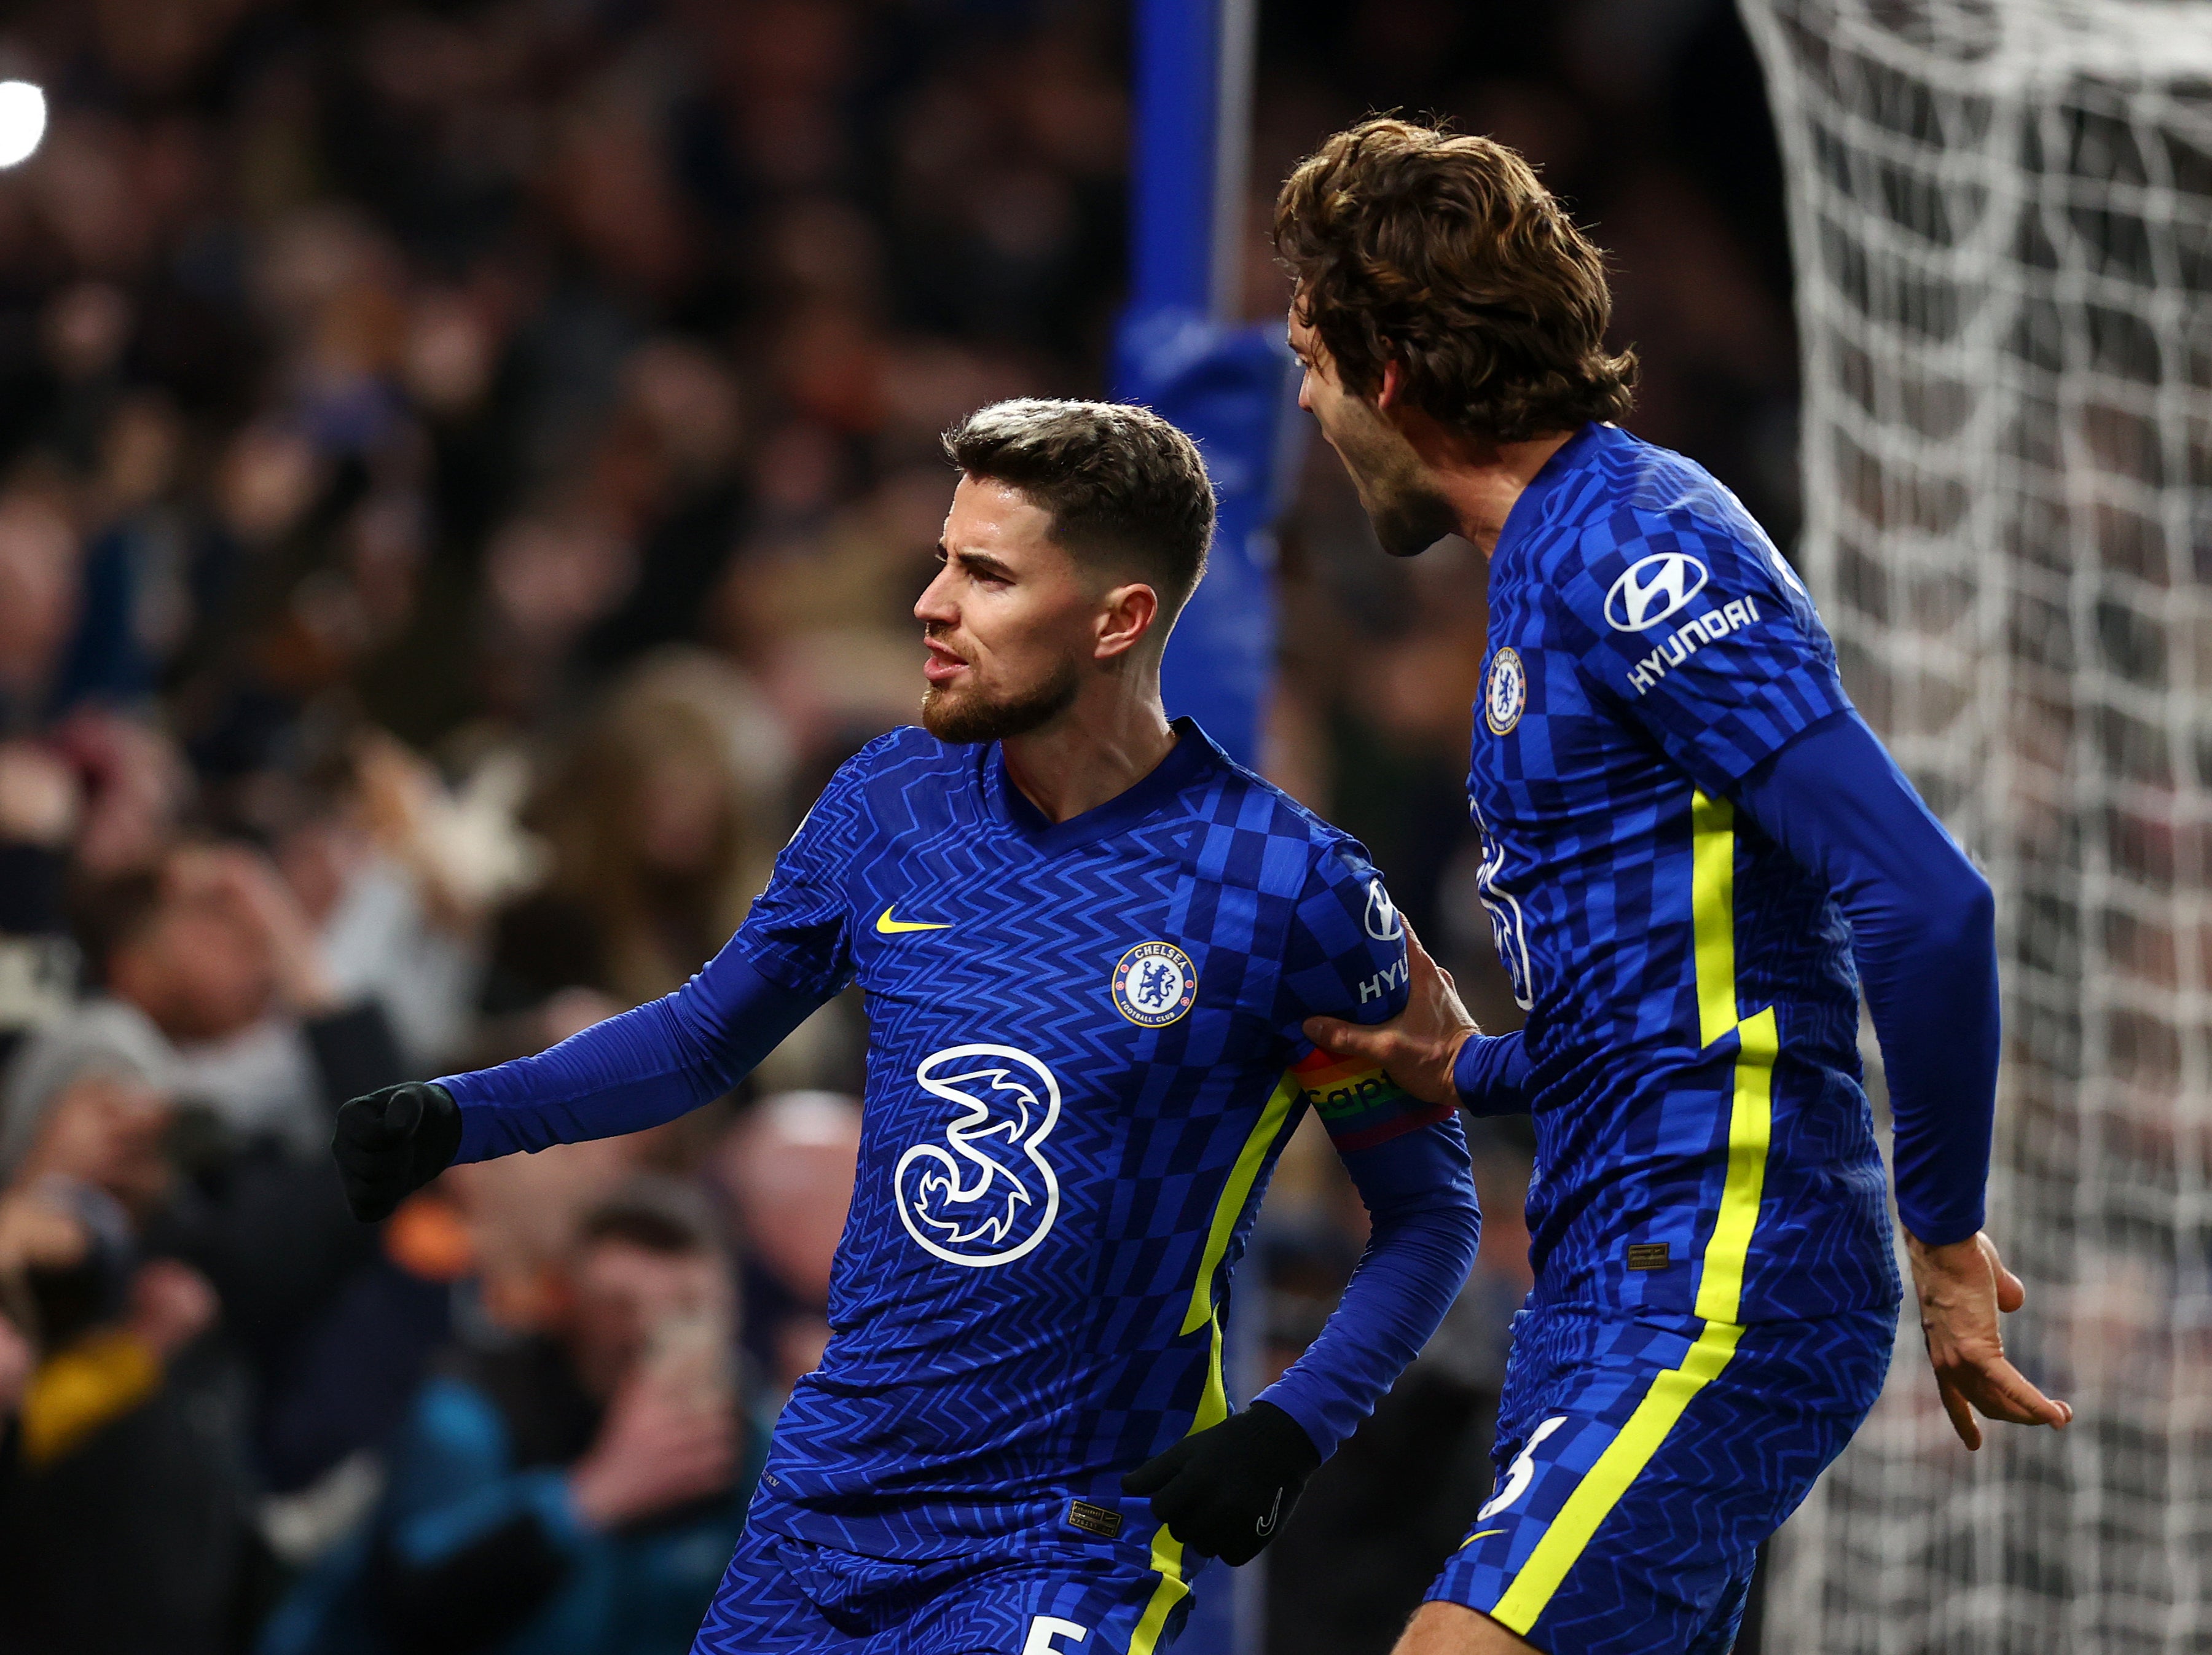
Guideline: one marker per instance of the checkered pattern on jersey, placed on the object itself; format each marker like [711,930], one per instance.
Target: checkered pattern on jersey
[1664,1570]
[786,1596]
[1582,795]
[1040,1171]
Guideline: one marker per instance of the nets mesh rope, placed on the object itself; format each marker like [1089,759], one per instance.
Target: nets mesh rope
[2000,212]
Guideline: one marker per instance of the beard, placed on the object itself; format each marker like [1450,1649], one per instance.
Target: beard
[972,715]
[1408,514]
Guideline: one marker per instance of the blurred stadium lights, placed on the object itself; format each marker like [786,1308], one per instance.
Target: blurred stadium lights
[22,121]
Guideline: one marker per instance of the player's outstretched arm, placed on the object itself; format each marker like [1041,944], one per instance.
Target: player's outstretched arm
[648,1066]
[1922,931]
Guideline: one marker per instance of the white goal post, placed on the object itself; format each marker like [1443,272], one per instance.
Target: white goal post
[2000,212]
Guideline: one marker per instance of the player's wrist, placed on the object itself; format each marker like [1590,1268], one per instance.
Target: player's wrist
[1964,1257]
[1288,1442]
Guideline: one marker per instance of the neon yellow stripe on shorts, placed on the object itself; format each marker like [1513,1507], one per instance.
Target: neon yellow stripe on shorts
[1214,1400]
[1750,1119]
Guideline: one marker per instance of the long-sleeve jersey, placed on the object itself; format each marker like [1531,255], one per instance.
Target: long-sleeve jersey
[1084,1059]
[1690,1059]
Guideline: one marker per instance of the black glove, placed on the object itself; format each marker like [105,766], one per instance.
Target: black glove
[390,1144]
[1227,1490]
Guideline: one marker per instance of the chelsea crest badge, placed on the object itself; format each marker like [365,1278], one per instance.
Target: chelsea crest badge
[1506,693]
[1154,984]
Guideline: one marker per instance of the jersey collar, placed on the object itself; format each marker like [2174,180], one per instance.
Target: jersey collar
[1528,510]
[1192,756]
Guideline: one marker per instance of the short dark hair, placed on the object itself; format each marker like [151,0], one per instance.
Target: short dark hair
[1118,480]
[108,912]
[654,1215]
[1442,252]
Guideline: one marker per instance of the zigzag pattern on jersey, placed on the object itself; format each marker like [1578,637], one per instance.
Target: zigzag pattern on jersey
[783,1596]
[1585,806]
[961,1403]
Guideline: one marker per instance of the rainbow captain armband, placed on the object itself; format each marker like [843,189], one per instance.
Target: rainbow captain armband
[1361,1105]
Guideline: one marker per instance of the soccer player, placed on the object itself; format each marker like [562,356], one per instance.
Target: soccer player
[1688,839]
[1089,944]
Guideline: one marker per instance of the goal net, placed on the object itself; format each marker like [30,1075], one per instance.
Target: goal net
[2001,218]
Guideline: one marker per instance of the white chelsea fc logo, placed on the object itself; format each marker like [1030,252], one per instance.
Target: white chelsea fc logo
[1506,692]
[1651,589]
[984,1195]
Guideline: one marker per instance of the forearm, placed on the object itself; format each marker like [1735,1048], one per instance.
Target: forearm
[1490,1075]
[636,1070]
[1420,1197]
[1922,931]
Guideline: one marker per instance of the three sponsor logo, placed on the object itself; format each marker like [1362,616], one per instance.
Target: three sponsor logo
[985,1194]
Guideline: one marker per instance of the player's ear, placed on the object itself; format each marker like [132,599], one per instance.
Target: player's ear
[1392,391]
[1127,615]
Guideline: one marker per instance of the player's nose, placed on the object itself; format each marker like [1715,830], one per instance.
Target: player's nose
[935,607]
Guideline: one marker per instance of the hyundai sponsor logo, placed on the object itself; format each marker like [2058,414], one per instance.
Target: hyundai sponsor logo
[1651,589]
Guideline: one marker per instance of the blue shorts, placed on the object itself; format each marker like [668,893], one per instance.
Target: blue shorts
[786,1595]
[1640,1465]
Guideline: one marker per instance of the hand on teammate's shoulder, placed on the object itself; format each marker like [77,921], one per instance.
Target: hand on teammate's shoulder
[1417,1047]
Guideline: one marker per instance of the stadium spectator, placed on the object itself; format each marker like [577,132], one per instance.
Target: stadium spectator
[126,1459]
[211,950]
[576,1491]
[787,1170]
[661,823]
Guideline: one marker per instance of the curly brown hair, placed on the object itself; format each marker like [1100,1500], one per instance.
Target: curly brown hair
[1442,252]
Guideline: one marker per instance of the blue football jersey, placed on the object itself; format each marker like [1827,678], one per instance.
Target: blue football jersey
[1703,1145]
[1084,1058]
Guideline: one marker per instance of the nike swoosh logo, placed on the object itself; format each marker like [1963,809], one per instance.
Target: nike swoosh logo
[1265,1526]
[1479,1534]
[890,927]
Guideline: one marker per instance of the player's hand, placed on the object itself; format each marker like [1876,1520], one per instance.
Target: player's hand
[1227,1490]
[1961,1287]
[390,1144]
[1416,1048]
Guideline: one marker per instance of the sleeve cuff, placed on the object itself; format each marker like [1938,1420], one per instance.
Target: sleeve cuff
[476,1118]
[1310,1413]
[1488,1075]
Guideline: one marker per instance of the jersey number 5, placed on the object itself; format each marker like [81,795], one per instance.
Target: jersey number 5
[1045,1628]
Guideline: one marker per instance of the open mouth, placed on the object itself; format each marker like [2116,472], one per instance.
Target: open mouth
[943,664]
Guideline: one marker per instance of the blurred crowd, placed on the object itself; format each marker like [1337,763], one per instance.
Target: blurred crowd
[465,469]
